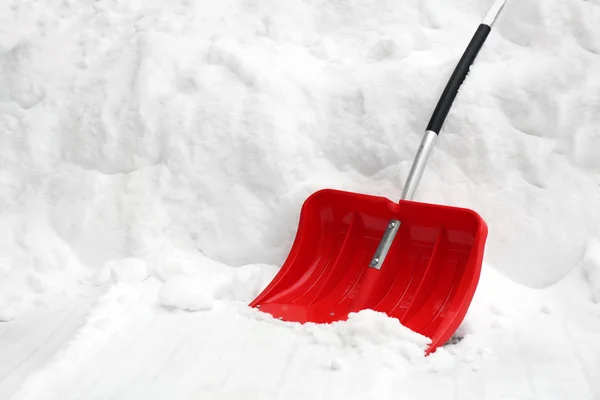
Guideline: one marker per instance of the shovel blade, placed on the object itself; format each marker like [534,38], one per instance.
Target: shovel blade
[427,281]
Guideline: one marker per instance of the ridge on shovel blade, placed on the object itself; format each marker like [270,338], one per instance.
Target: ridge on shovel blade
[427,281]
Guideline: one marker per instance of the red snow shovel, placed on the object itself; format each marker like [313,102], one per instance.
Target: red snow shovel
[417,262]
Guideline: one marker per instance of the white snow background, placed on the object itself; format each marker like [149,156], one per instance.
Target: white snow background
[154,157]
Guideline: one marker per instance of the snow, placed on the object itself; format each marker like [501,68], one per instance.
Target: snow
[128,270]
[592,268]
[155,155]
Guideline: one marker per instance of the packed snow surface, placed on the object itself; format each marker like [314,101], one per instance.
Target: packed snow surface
[154,158]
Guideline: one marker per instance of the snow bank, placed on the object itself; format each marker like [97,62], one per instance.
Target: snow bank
[157,126]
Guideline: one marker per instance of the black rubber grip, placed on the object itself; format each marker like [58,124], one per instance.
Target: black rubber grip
[457,78]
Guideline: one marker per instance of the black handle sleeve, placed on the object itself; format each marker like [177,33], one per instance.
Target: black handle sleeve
[457,78]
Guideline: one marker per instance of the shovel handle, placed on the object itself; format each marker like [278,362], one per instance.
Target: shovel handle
[447,98]
[462,68]
[458,76]
[435,125]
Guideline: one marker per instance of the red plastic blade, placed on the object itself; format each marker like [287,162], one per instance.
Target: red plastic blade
[427,280]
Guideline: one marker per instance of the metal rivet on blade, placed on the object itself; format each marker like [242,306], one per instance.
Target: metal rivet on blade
[391,225]
[375,261]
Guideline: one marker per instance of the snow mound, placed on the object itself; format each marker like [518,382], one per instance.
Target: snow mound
[194,283]
[367,333]
[367,330]
[193,292]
